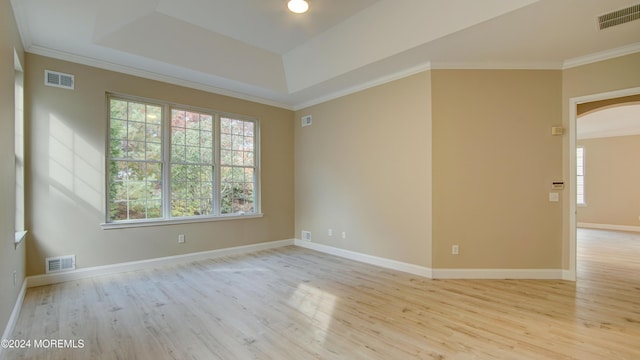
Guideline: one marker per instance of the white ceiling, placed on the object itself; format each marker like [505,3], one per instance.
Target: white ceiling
[618,120]
[257,50]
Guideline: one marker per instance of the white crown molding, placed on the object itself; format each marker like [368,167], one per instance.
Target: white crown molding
[366,85]
[497,66]
[367,259]
[101,64]
[83,273]
[601,56]
[605,55]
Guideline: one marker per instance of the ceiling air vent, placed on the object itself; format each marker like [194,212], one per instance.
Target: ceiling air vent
[60,263]
[58,79]
[619,17]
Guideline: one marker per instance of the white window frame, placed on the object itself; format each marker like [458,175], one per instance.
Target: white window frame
[580,188]
[20,232]
[166,161]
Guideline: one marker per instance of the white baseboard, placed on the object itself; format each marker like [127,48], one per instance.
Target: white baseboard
[569,275]
[82,273]
[542,274]
[13,319]
[368,259]
[609,227]
[537,274]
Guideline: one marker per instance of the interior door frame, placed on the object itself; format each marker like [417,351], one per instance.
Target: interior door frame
[573,126]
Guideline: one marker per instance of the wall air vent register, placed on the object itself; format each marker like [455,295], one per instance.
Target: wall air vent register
[58,79]
[60,263]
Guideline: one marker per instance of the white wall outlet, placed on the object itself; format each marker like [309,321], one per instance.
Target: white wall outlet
[306,235]
[306,120]
[344,234]
[181,239]
[330,232]
[554,197]
[455,249]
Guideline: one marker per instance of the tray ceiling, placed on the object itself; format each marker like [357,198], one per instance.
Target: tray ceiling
[256,49]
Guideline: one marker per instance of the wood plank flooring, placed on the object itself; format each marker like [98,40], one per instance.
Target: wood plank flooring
[293,303]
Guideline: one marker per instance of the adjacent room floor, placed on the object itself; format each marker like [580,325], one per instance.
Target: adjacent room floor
[293,303]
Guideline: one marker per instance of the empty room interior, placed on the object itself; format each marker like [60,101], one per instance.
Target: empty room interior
[321,179]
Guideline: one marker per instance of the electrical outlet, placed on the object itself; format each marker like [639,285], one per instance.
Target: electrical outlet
[455,249]
[344,234]
[181,239]
[306,235]
[330,232]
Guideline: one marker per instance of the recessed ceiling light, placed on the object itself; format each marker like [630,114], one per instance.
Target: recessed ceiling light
[298,6]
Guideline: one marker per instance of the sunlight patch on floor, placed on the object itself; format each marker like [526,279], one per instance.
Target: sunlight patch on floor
[317,305]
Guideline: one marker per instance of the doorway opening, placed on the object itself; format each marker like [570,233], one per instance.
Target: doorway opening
[580,106]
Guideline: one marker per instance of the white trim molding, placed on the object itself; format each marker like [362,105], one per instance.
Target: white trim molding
[83,273]
[573,115]
[529,274]
[13,319]
[367,259]
[601,56]
[609,227]
[366,85]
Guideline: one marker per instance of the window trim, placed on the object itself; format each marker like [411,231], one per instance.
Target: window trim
[167,218]
[176,221]
[19,152]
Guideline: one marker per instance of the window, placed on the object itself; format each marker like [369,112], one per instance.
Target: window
[19,149]
[580,175]
[172,162]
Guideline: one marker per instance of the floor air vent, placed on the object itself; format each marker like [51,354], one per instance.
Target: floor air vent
[61,263]
[619,17]
[58,79]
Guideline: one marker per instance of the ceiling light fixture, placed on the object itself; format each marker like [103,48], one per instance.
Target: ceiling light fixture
[298,6]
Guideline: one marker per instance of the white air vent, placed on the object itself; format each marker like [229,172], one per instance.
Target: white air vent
[619,17]
[58,79]
[60,263]
[306,120]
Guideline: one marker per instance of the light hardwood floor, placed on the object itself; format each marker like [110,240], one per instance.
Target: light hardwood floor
[293,303]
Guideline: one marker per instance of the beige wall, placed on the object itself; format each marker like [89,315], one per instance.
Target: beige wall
[596,78]
[364,167]
[11,259]
[494,160]
[612,176]
[67,172]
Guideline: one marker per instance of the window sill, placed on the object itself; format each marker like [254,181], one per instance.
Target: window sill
[146,223]
[20,236]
